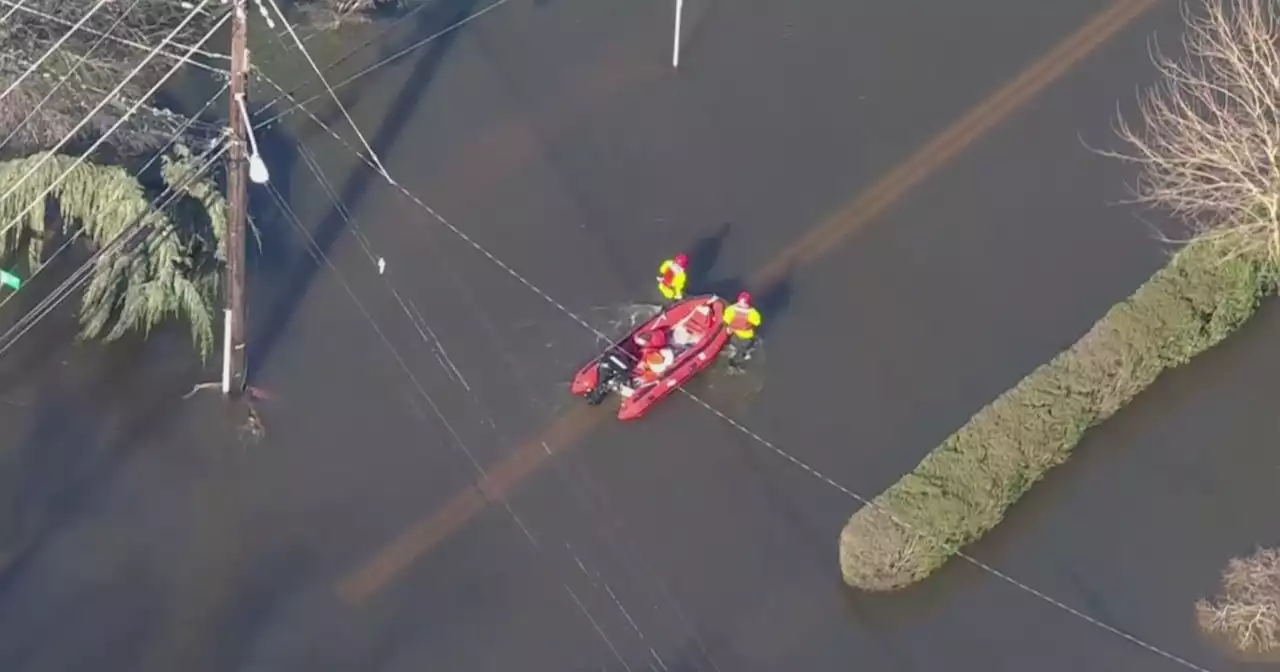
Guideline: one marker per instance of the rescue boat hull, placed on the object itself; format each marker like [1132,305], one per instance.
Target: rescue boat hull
[695,326]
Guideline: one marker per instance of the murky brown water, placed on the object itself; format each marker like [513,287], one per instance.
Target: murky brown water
[555,135]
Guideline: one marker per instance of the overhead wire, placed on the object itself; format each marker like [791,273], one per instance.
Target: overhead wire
[83,272]
[123,101]
[625,555]
[423,329]
[53,49]
[14,8]
[1010,580]
[324,80]
[320,256]
[83,58]
[18,6]
[155,156]
[289,95]
[83,157]
[51,301]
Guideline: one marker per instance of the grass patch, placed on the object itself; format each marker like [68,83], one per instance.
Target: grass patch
[964,486]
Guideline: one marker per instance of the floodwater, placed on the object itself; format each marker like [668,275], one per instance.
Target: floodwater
[147,532]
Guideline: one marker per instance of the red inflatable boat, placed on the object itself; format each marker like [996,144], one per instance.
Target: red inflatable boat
[695,334]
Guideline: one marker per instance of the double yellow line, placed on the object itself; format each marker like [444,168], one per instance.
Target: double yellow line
[565,432]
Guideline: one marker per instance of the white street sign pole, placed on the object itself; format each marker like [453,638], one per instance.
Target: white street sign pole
[675,48]
[226,352]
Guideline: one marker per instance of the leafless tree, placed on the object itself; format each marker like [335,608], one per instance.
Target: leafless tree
[65,88]
[1208,145]
[1248,611]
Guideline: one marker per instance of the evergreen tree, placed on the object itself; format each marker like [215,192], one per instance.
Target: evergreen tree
[173,272]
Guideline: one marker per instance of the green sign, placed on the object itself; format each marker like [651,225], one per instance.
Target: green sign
[10,280]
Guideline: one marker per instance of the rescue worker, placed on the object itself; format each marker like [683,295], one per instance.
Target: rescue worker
[655,361]
[742,319]
[672,277]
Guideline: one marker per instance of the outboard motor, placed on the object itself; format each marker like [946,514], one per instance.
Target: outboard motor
[610,372]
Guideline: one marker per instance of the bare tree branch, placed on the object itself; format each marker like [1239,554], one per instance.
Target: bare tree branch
[1208,145]
[86,71]
[1248,611]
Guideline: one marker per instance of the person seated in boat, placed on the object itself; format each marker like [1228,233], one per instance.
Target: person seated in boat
[655,363]
[655,355]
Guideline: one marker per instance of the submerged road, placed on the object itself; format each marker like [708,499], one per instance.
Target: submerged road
[820,240]
[554,134]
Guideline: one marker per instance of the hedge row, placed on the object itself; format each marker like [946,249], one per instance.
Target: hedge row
[963,487]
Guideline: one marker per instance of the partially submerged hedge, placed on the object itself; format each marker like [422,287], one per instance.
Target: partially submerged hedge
[962,488]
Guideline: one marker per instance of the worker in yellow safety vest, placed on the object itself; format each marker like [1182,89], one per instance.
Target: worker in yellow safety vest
[742,319]
[671,277]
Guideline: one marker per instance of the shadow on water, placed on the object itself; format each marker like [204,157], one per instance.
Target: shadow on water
[258,598]
[703,256]
[90,416]
[270,245]
[117,639]
[277,318]
[894,612]
[437,16]
[594,214]
[29,357]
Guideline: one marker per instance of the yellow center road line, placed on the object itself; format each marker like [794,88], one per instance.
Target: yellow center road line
[568,430]
[428,532]
[955,139]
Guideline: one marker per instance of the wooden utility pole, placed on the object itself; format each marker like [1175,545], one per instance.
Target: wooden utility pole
[234,360]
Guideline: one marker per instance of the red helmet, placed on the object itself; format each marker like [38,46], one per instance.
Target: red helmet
[744,298]
[682,260]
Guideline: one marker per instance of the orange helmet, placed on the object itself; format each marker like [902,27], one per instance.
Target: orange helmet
[744,298]
[682,260]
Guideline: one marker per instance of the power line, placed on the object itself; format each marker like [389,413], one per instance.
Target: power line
[67,77]
[751,434]
[12,9]
[17,6]
[173,139]
[376,164]
[429,335]
[124,101]
[52,49]
[342,108]
[376,38]
[319,255]
[121,241]
[109,131]
[399,54]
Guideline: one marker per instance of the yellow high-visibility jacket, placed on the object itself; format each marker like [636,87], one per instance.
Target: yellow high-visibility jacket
[743,323]
[671,280]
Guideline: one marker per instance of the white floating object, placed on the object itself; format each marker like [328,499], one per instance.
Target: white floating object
[382,265]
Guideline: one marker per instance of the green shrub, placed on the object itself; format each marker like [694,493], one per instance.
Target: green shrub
[962,488]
